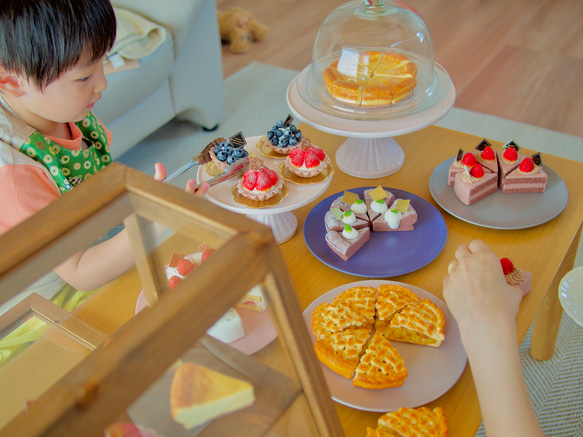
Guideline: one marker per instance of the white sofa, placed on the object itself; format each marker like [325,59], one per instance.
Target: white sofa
[182,78]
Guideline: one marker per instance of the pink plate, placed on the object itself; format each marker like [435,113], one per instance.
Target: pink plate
[259,328]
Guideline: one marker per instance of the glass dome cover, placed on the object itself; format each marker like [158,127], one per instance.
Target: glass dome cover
[366,41]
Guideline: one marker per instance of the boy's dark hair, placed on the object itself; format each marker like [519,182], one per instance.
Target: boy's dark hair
[41,39]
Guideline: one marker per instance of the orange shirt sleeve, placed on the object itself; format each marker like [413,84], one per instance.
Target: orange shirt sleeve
[24,190]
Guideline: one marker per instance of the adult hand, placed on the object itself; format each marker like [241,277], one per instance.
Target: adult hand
[160,175]
[476,290]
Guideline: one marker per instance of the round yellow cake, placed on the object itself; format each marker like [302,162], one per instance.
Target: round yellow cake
[375,79]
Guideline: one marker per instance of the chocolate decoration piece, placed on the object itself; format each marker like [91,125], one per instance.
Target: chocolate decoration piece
[238,140]
[460,154]
[512,144]
[537,159]
[483,144]
[288,120]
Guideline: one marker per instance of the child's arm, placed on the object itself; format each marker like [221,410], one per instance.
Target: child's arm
[97,265]
[485,307]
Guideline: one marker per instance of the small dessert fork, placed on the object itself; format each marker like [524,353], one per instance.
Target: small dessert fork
[236,169]
[202,158]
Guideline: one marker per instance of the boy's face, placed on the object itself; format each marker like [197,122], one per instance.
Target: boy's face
[68,98]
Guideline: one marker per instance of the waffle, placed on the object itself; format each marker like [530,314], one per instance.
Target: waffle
[422,323]
[381,366]
[341,351]
[411,422]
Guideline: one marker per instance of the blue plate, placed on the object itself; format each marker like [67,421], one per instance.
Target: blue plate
[387,254]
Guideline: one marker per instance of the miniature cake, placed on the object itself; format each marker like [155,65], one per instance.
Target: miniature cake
[199,394]
[508,159]
[475,184]
[351,202]
[486,156]
[374,79]
[528,177]
[420,421]
[228,328]
[401,216]
[226,152]
[461,161]
[306,160]
[346,243]
[259,182]
[253,300]
[377,201]
[516,277]
[283,136]
[335,220]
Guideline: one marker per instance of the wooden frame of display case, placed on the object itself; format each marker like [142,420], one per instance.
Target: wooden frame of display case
[107,381]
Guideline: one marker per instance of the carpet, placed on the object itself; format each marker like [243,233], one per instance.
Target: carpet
[255,98]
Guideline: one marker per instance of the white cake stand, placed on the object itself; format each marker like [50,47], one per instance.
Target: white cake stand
[279,218]
[370,152]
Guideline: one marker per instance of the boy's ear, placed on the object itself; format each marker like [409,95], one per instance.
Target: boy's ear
[9,83]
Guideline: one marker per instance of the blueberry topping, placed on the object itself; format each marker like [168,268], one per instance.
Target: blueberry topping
[221,155]
[231,159]
[282,142]
[279,123]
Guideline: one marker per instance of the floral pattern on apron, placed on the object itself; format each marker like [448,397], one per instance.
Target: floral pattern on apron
[71,167]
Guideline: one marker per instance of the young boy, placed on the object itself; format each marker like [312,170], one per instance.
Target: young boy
[51,74]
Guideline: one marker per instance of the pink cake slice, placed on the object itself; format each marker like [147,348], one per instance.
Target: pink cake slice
[368,200]
[408,220]
[339,203]
[344,248]
[470,193]
[518,182]
[333,224]
[456,167]
[505,167]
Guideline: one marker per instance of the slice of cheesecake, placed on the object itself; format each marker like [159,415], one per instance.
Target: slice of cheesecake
[199,394]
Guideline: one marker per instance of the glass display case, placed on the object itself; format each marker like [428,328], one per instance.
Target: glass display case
[373,76]
[145,350]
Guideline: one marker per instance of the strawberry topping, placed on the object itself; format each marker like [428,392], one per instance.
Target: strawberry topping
[469,159]
[311,160]
[184,267]
[173,281]
[507,266]
[526,166]
[477,171]
[249,179]
[510,154]
[259,177]
[488,154]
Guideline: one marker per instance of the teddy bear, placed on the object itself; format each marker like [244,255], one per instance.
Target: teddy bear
[238,27]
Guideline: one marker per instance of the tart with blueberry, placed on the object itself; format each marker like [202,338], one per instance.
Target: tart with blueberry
[224,154]
[259,183]
[306,160]
[280,139]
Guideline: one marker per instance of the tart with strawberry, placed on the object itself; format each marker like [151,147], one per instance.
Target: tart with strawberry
[472,185]
[306,160]
[528,177]
[259,182]
[516,277]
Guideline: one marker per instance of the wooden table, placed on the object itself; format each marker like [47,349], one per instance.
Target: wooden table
[547,250]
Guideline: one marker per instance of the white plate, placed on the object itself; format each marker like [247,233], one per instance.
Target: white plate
[298,196]
[502,211]
[432,371]
[571,294]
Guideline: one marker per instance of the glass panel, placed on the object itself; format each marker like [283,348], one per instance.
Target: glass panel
[33,356]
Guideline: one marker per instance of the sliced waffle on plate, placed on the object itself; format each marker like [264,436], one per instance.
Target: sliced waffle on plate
[341,351]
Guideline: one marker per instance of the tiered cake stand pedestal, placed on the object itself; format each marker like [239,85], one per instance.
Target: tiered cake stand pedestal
[370,152]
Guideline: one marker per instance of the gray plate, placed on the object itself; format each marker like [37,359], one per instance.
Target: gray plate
[502,211]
